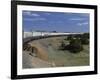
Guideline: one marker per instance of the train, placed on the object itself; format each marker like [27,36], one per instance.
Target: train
[43,34]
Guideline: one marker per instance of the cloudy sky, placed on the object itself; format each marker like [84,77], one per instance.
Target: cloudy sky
[55,21]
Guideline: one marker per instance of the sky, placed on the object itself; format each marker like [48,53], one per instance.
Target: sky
[55,21]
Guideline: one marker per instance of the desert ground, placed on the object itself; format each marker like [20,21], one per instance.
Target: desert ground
[47,54]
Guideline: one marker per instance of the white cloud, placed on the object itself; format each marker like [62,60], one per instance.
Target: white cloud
[48,13]
[84,23]
[29,13]
[34,19]
[85,15]
[34,14]
[77,19]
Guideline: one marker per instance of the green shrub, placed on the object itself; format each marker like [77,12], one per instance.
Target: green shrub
[75,42]
[85,38]
[62,45]
[77,36]
[70,37]
[85,35]
[84,41]
[75,46]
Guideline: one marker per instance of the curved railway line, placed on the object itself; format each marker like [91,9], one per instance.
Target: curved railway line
[35,50]
[28,47]
[35,54]
[28,39]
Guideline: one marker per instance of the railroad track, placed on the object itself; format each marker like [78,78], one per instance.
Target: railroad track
[29,39]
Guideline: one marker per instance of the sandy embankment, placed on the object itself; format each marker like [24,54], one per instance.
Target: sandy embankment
[41,51]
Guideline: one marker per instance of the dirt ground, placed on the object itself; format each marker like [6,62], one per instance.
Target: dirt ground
[49,55]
